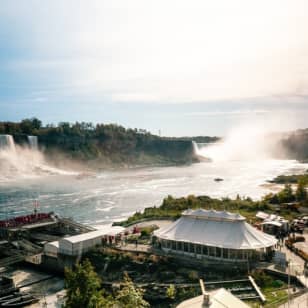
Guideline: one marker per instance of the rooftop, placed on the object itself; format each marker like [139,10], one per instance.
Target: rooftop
[105,230]
[218,299]
[217,229]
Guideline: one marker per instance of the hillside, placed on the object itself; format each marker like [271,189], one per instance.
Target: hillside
[295,145]
[102,144]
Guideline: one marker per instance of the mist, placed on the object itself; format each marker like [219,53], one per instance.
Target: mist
[254,141]
[18,162]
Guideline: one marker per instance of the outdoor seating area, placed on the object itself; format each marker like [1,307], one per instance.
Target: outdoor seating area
[24,220]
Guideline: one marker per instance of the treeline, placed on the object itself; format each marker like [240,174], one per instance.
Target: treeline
[291,179]
[173,207]
[109,143]
[290,195]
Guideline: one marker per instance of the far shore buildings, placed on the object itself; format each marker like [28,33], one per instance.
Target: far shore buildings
[216,236]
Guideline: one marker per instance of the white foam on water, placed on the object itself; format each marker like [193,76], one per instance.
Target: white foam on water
[106,209]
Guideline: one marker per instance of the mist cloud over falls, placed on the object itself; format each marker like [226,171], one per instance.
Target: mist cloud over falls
[17,162]
[246,142]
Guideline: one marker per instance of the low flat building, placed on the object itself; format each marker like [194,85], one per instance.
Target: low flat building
[78,244]
[214,235]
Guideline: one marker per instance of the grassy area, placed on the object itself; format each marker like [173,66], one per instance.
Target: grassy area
[275,298]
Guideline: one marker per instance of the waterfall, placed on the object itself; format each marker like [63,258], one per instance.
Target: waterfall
[33,142]
[200,152]
[7,142]
[195,147]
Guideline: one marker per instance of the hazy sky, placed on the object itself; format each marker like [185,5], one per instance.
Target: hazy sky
[185,67]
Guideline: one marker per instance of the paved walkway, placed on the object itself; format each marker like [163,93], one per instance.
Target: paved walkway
[296,265]
[296,269]
[134,248]
[298,302]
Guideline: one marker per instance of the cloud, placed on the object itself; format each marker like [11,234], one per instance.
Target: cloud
[196,51]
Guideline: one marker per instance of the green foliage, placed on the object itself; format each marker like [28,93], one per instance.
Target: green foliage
[173,207]
[83,288]
[286,194]
[147,231]
[301,192]
[290,179]
[193,275]
[171,292]
[266,281]
[129,296]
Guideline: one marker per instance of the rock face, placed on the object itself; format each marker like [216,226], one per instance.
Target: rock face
[295,145]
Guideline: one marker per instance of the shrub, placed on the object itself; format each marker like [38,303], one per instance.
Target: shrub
[193,275]
[262,279]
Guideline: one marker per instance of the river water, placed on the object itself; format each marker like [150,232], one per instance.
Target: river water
[114,195]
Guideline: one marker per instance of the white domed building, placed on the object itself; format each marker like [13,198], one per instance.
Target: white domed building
[214,235]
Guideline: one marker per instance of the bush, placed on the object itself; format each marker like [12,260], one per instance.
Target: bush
[262,279]
[277,284]
[166,275]
[193,275]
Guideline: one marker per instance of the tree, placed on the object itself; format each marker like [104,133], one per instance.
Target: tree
[286,195]
[28,126]
[83,288]
[171,292]
[130,296]
[301,192]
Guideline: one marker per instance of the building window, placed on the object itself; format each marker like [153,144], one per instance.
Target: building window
[245,254]
[198,249]
[218,252]
[191,247]
[225,254]
[233,254]
[173,245]
[186,247]
[212,251]
[180,246]
[205,250]
[240,254]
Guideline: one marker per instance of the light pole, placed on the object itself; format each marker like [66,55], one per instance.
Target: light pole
[289,266]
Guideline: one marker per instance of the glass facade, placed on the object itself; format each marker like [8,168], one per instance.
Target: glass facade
[213,252]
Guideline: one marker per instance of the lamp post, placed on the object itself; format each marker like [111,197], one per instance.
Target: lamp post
[289,265]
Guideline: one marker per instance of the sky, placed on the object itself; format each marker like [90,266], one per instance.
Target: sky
[182,67]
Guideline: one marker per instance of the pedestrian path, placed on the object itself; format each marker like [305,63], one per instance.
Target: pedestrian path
[297,302]
[296,266]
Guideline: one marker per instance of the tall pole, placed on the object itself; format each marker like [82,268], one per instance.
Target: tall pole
[289,265]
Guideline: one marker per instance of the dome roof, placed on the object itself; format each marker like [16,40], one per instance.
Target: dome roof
[217,229]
